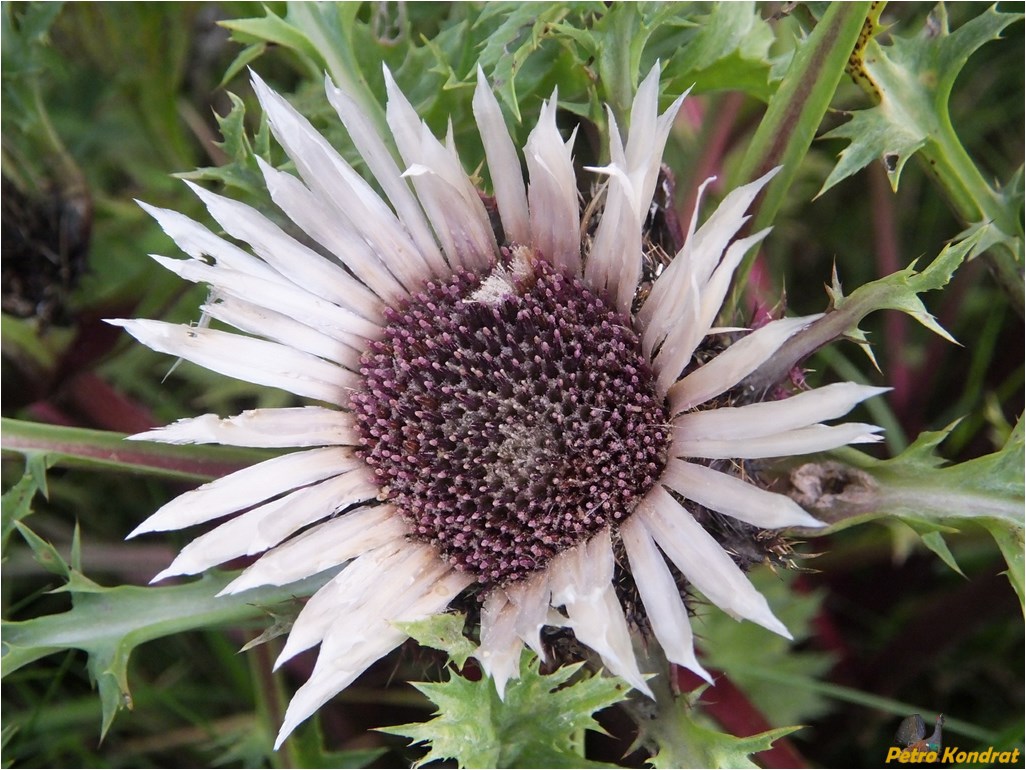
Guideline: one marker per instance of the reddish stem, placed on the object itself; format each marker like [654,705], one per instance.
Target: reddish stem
[44,411]
[182,461]
[710,162]
[101,406]
[885,241]
[760,295]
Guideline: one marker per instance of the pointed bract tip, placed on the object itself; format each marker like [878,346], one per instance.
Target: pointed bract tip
[765,178]
[695,668]
[163,574]
[773,624]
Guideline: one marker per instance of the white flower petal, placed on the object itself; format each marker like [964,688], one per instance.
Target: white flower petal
[661,597]
[449,197]
[815,438]
[503,164]
[354,200]
[381,163]
[199,243]
[349,648]
[614,261]
[658,312]
[300,265]
[499,651]
[735,497]
[250,486]
[552,192]
[702,560]
[245,358]
[301,426]
[734,364]
[322,547]
[267,525]
[695,262]
[377,639]
[261,321]
[582,583]
[683,337]
[374,581]
[769,417]
[320,220]
[279,296]
[532,598]
[647,138]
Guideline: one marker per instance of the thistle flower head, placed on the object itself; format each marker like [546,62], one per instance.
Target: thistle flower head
[513,408]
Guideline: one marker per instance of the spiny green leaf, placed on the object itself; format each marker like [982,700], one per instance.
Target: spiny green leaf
[934,540]
[272,29]
[283,617]
[76,548]
[109,623]
[26,54]
[440,48]
[37,465]
[17,505]
[901,290]
[524,29]
[726,48]
[537,725]
[873,137]
[28,26]
[322,36]
[923,451]
[1010,541]
[897,291]
[621,34]
[684,742]
[1010,198]
[246,56]
[46,555]
[917,488]
[442,632]
[912,79]
[331,28]
[242,171]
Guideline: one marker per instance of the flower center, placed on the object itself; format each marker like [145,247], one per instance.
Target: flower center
[511,419]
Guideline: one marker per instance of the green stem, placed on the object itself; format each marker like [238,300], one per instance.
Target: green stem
[973,200]
[796,110]
[97,449]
